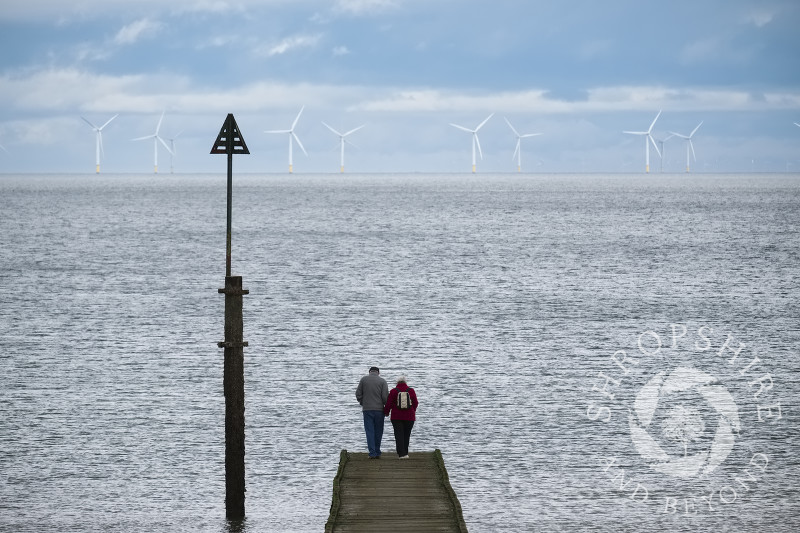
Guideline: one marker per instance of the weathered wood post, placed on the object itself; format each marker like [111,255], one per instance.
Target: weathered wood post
[230,141]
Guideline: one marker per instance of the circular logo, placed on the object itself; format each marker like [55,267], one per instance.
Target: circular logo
[682,424]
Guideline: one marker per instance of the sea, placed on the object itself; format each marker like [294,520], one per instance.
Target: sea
[591,352]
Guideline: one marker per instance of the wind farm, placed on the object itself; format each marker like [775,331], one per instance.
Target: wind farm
[475,141]
[98,141]
[648,139]
[342,141]
[492,134]
[156,139]
[293,138]
[689,145]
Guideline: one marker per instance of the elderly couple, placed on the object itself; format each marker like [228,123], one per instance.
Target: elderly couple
[400,405]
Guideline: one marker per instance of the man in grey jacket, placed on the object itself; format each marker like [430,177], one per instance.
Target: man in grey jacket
[371,393]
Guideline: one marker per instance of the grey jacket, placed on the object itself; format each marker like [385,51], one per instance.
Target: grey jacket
[372,392]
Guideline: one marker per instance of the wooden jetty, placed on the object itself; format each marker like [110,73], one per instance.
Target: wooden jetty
[390,494]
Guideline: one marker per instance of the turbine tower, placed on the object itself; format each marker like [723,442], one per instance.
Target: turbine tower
[475,141]
[99,141]
[518,150]
[156,139]
[689,144]
[663,152]
[172,150]
[648,138]
[343,140]
[292,138]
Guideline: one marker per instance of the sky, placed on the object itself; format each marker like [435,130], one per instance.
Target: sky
[580,72]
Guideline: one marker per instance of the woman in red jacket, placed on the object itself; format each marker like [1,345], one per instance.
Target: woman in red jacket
[402,405]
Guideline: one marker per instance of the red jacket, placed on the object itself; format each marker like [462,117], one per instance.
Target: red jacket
[391,404]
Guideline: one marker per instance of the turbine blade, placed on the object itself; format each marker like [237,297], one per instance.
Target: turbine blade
[158,126]
[516,150]
[108,121]
[354,130]
[333,130]
[143,138]
[462,128]
[692,147]
[165,145]
[3,148]
[510,126]
[484,122]
[654,122]
[297,118]
[89,123]
[695,130]
[530,135]
[796,124]
[654,144]
[478,142]
[678,135]
[296,138]
[278,131]
[636,132]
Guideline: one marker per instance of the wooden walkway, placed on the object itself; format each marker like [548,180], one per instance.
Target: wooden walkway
[390,494]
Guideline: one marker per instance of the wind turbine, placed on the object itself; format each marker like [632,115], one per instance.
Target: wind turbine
[99,140]
[664,152]
[293,138]
[156,139]
[517,150]
[172,149]
[689,144]
[648,138]
[475,141]
[342,140]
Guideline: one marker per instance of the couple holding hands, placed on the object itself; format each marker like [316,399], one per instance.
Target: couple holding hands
[377,402]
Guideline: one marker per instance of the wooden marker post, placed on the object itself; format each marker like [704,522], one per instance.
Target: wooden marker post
[229,141]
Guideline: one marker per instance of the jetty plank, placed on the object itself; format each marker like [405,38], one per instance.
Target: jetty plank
[385,494]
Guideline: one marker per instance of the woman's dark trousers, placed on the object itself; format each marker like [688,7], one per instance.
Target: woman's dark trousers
[402,434]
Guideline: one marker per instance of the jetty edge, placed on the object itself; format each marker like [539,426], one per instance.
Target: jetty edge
[388,493]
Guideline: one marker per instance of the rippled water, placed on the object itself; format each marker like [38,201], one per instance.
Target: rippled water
[502,297]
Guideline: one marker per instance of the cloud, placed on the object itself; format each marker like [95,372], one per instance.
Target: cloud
[136,30]
[71,90]
[601,99]
[340,51]
[288,44]
[760,17]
